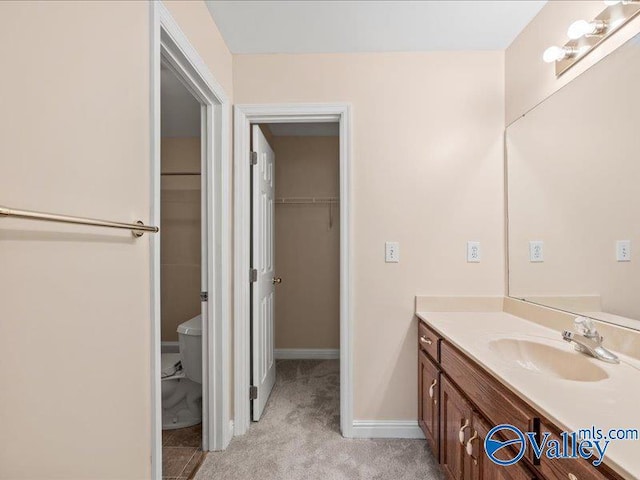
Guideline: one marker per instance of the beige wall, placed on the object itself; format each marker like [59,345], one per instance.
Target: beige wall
[528,80]
[180,234]
[75,326]
[427,172]
[307,312]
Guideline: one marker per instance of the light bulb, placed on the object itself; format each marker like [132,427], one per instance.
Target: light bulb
[581,28]
[553,54]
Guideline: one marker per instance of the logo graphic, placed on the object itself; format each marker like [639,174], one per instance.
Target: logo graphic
[587,443]
[493,445]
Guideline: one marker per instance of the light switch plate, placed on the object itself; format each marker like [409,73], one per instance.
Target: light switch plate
[623,250]
[473,252]
[536,251]
[392,252]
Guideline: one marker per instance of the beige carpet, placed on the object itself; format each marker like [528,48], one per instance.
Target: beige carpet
[298,438]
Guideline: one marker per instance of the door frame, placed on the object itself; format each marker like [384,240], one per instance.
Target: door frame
[244,116]
[171,47]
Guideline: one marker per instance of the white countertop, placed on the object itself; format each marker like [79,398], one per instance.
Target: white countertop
[613,402]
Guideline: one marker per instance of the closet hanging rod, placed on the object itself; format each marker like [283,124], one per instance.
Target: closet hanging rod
[307,200]
[137,229]
[180,173]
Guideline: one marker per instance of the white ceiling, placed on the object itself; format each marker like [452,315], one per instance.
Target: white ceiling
[179,110]
[296,26]
[304,129]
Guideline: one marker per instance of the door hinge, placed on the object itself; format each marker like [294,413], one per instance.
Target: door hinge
[204,296]
[253,392]
[254,158]
[253,275]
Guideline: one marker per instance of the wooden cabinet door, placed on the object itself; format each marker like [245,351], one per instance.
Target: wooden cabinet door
[480,466]
[428,406]
[455,417]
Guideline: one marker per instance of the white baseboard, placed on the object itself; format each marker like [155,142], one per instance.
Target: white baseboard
[386,429]
[307,353]
[169,347]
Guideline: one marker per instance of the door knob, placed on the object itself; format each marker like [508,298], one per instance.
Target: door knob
[276,280]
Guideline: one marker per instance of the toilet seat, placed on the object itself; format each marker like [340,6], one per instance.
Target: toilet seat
[167,366]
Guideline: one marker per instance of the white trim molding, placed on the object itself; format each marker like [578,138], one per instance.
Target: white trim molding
[244,116]
[307,353]
[171,47]
[386,429]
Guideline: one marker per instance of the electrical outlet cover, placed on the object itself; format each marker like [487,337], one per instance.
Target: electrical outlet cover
[473,252]
[536,251]
[623,250]
[392,252]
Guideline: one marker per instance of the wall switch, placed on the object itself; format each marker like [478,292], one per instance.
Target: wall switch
[392,252]
[623,250]
[536,251]
[473,252]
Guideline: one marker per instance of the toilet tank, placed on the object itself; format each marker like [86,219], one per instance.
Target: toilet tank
[190,341]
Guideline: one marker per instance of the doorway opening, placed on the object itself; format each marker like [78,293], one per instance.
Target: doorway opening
[292,236]
[295,253]
[182,276]
[205,244]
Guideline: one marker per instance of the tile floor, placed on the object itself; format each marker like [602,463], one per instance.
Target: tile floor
[181,453]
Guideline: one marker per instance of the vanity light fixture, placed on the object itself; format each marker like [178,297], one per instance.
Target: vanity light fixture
[581,28]
[584,35]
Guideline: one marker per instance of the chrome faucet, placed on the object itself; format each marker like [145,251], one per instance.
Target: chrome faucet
[588,340]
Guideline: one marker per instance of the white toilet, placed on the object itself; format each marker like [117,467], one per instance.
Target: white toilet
[182,387]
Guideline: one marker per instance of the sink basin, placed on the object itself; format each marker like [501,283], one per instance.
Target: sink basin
[547,359]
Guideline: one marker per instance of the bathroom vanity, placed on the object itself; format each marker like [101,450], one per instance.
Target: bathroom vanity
[474,373]
[572,174]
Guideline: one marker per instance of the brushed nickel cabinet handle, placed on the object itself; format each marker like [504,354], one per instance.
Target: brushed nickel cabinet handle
[435,382]
[426,340]
[461,432]
[469,443]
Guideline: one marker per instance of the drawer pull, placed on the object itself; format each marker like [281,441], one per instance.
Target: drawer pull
[469,444]
[461,432]
[424,339]
[435,382]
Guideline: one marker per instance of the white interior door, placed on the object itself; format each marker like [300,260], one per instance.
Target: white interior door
[262,328]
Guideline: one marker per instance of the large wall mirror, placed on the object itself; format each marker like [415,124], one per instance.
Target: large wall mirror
[573,168]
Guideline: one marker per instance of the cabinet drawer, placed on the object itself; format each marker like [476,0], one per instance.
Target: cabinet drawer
[429,341]
[496,403]
[570,468]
